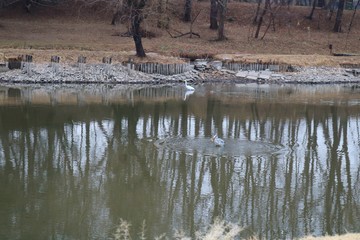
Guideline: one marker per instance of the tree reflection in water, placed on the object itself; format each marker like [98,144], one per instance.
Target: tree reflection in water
[72,170]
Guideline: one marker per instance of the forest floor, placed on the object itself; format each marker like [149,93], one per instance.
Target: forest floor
[70,31]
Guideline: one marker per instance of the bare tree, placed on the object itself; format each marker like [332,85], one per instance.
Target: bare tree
[255,20]
[330,6]
[312,10]
[187,11]
[119,10]
[222,8]
[136,9]
[337,26]
[132,13]
[29,4]
[261,19]
[353,16]
[213,15]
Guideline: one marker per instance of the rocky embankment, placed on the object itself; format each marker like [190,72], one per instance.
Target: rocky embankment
[321,75]
[117,73]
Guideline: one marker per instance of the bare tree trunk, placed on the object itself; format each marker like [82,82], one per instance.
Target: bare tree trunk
[330,6]
[137,36]
[337,26]
[213,15]
[312,10]
[136,19]
[261,19]
[27,5]
[222,5]
[255,20]
[353,16]
[320,3]
[187,11]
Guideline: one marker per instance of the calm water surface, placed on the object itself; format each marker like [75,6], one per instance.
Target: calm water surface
[74,160]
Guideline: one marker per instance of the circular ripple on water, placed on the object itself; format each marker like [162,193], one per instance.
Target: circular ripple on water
[232,147]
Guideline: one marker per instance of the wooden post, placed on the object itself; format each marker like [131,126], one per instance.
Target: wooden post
[107,60]
[26,63]
[81,63]
[81,59]
[130,64]
[28,58]
[14,63]
[55,60]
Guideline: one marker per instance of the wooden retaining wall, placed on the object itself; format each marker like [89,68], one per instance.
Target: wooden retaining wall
[25,61]
[258,66]
[149,67]
[159,68]
[349,65]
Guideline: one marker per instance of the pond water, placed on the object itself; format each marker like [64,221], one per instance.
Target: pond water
[75,160]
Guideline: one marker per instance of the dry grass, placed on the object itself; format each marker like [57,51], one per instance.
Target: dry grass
[87,31]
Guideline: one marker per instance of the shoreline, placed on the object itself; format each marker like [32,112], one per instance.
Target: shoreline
[41,73]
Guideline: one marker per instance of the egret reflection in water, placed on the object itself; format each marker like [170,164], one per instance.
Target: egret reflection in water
[187,94]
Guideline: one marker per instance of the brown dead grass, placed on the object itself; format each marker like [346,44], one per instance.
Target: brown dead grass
[70,32]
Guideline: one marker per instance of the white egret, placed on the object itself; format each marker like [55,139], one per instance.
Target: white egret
[218,141]
[188,87]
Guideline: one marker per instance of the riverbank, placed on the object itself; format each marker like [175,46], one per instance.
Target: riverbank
[68,33]
[56,73]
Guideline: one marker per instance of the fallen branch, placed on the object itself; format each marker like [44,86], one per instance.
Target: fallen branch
[191,33]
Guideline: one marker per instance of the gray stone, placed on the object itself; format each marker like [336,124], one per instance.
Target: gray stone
[228,71]
[242,74]
[253,75]
[216,64]
[200,64]
[266,75]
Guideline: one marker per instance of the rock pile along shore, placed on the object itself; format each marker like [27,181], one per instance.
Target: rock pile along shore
[117,73]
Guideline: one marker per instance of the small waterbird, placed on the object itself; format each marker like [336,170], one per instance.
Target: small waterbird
[218,141]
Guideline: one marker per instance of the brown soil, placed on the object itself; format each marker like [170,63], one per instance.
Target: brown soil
[77,30]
